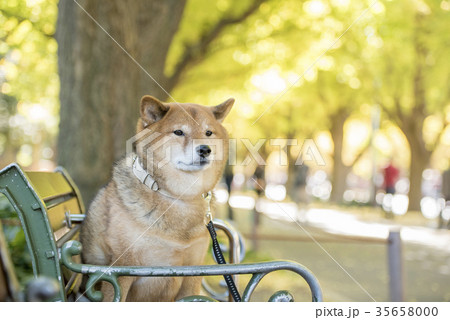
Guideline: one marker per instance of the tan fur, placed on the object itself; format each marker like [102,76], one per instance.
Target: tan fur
[129,224]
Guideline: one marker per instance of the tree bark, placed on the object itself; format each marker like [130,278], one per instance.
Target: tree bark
[101,85]
[340,170]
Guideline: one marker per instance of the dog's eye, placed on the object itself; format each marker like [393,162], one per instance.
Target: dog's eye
[178,133]
[208,133]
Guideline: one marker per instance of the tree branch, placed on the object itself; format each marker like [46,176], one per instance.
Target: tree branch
[195,51]
[361,153]
[392,115]
[398,108]
[440,135]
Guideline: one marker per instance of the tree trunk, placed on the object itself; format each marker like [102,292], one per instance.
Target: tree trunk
[420,158]
[340,170]
[418,164]
[292,170]
[290,183]
[101,85]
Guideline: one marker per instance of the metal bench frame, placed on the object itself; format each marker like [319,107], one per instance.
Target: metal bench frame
[51,253]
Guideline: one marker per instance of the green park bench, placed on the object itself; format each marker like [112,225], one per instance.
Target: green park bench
[51,211]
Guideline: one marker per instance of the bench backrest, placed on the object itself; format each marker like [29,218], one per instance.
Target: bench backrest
[45,203]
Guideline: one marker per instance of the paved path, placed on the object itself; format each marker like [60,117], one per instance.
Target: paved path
[354,271]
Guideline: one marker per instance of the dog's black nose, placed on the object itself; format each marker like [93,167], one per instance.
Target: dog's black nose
[203,150]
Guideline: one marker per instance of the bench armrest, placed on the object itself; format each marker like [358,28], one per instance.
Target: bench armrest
[111,273]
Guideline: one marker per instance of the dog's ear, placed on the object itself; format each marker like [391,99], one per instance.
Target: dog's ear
[221,111]
[152,109]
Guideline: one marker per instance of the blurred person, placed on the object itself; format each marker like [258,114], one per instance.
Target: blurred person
[390,177]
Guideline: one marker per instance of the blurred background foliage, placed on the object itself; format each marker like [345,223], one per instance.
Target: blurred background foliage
[321,69]
[376,93]
[368,81]
[29,82]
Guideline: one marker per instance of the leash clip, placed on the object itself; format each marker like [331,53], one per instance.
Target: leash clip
[208,215]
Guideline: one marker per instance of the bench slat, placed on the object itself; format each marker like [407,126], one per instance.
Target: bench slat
[57,194]
[49,185]
[61,199]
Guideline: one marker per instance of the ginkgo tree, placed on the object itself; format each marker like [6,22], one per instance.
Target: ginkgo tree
[296,68]
[301,73]
[393,55]
[411,72]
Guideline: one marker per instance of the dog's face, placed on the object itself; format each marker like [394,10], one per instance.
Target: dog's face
[185,146]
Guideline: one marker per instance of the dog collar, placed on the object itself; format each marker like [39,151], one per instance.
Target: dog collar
[143,175]
[147,179]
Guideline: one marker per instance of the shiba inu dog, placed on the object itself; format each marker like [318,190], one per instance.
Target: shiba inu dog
[152,212]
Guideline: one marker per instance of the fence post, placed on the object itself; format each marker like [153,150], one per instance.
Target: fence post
[395,260]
